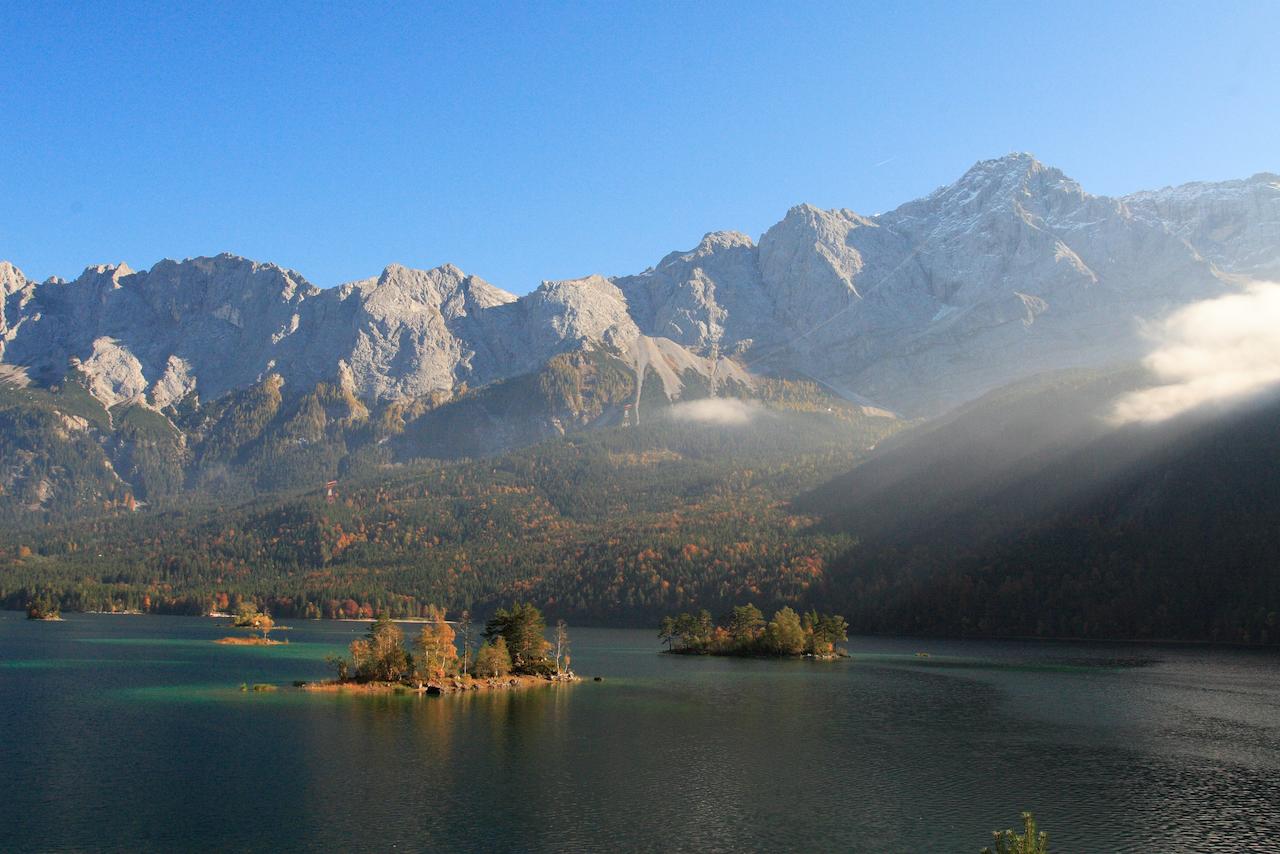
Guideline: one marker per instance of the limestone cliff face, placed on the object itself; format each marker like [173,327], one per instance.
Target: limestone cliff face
[1235,224]
[11,282]
[404,334]
[710,295]
[216,322]
[1012,269]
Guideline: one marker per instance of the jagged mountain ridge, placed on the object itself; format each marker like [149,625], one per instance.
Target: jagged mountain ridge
[207,326]
[1012,269]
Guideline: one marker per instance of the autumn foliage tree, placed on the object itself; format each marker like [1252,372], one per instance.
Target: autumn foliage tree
[493,659]
[602,527]
[380,655]
[249,617]
[437,655]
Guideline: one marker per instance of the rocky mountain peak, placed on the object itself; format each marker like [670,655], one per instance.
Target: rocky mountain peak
[706,296]
[104,275]
[11,279]
[1014,182]
[812,245]
[814,217]
[588,295]
[713,243]
[420,287]
[576,290]
[713,240]
[485,294]
[226,277]
[1016,166]
[591,309]
[401,290]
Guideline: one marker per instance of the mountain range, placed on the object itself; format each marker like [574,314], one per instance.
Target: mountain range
[1012,269]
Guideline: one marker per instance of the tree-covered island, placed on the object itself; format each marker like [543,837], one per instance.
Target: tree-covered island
[745,633]
[514,652]
[43,609]
[249,617]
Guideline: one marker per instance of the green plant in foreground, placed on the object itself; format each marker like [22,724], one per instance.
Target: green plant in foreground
[1028,842]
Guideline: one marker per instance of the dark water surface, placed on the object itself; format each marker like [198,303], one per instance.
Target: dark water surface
[131,733]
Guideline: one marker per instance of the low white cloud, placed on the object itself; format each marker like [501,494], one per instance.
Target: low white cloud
[721,411]
[1214,353]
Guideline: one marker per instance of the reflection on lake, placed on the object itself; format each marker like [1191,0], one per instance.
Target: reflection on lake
[131,732]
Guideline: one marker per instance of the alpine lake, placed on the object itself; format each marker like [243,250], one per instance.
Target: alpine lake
[133,733]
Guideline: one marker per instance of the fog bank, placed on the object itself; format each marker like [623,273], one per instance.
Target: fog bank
[1215,353]
[718,411]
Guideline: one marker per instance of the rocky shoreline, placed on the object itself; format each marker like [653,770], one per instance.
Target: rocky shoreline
[238,641]
[454,685]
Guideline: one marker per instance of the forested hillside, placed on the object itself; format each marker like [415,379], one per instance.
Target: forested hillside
[618,525]
[1027,513]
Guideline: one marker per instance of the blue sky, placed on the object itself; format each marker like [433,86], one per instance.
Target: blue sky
[531,141]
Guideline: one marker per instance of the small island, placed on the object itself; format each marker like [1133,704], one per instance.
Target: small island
[746,634]
[43,609]
[249,617]
[515,653]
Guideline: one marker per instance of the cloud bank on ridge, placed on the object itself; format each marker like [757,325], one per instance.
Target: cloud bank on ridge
[724,411]
[1214,353]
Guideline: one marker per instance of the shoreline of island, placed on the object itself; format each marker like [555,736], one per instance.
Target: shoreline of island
[240,641]
[838,655]
[455,685]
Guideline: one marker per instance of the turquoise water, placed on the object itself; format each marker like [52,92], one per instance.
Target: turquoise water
[130,733]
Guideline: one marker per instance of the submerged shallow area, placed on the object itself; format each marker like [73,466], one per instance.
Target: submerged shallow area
[132,732]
